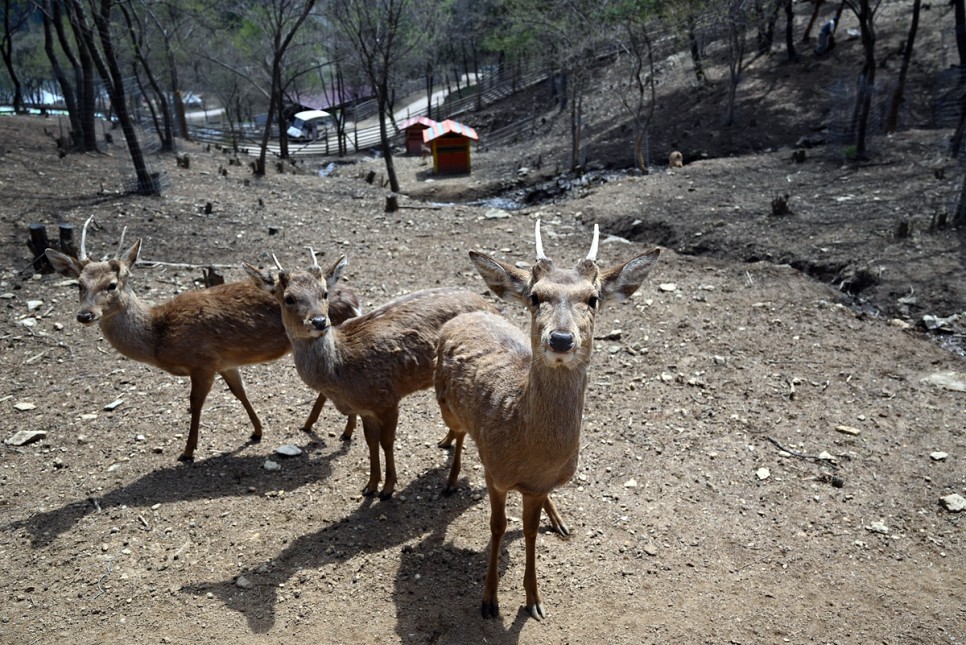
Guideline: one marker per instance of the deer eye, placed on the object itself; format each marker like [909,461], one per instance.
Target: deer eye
[325,295]
[593,301]
[534,300]
[289,300]
[112,286]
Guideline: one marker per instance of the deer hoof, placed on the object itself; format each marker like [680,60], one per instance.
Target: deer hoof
[536,611]
[186,458]
[490,609]
[255,438]
[449,490]
[346,436]
[384,496]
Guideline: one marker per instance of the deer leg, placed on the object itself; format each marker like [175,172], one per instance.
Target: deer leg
[350,427]
[200,386]
[491,605]
[233,378]
[350,420]
[314,414]
[532,505]
[447,440]
[454,471]
[370,428]
[387,438]
[556,521]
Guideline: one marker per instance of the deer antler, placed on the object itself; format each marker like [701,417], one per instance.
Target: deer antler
[278,264]
[592,256]
[536,234]
[120,245]
[82,254]
[315,261]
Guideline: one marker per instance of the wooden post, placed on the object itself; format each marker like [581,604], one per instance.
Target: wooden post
[66,232]
[392,203]
[38,244]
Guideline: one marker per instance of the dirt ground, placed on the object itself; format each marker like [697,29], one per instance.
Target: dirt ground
[765,447]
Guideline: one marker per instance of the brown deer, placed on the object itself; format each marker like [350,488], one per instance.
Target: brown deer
[366,365]
[522,401]
[196,334]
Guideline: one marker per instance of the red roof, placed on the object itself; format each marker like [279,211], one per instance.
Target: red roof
[448,127]
[426,122]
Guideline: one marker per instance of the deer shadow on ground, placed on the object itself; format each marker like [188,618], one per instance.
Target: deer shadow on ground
[227,475]
[372,527]
[439,588]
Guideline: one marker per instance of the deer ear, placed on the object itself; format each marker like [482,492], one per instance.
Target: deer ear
[262,279]
[621,281]
[506,281]
[335,272]
[64,264]
[131,257]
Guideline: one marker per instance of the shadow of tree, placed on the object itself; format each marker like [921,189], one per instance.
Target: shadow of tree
[226,475]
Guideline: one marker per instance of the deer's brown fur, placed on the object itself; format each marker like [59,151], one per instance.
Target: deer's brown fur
[521,399]
[368,364]
[196,334]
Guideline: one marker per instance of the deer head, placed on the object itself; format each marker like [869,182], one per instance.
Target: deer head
[563,303]
[303,295]
[104,289]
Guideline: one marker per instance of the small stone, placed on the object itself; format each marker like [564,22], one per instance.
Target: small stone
[938,455]
[763,474]
[271,465]
[954,503]
[24,437]
[113,405]
[630,483]
[24,406]
[825,456]
[955,381]
[848,430]
[34,305]
[900,324]
[243,583]
[288,450]
[650,550]
[668,286]
[28,322]
[496,213]
[878,527]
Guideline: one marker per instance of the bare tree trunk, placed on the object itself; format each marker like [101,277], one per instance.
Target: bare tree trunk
[695,50]
[107,67]
[790,31]
[14,18]
[66,89]
[959,8]
[83,71]
[892,120]
[867,78]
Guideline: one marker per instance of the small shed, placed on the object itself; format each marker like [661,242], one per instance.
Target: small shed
[413,129]
[450,144]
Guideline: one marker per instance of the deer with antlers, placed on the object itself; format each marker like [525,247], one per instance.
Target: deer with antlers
[196,334]
[521,401]
[366,365]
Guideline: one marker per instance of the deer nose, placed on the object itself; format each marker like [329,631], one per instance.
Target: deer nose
[321,323]
[561,341]
[85,317]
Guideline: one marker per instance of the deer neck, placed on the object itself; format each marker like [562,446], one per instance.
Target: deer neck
[555,401]
[318,360]
[130,330]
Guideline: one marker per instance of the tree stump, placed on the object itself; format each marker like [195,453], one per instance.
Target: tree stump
[37,244]
[66,232]
[392,203]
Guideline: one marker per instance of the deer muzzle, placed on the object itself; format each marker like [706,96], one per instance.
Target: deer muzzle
[86,317]
[319,323]
[561,341]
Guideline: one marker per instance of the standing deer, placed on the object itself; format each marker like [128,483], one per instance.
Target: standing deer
[196,334]
[522,401]
[366,365]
